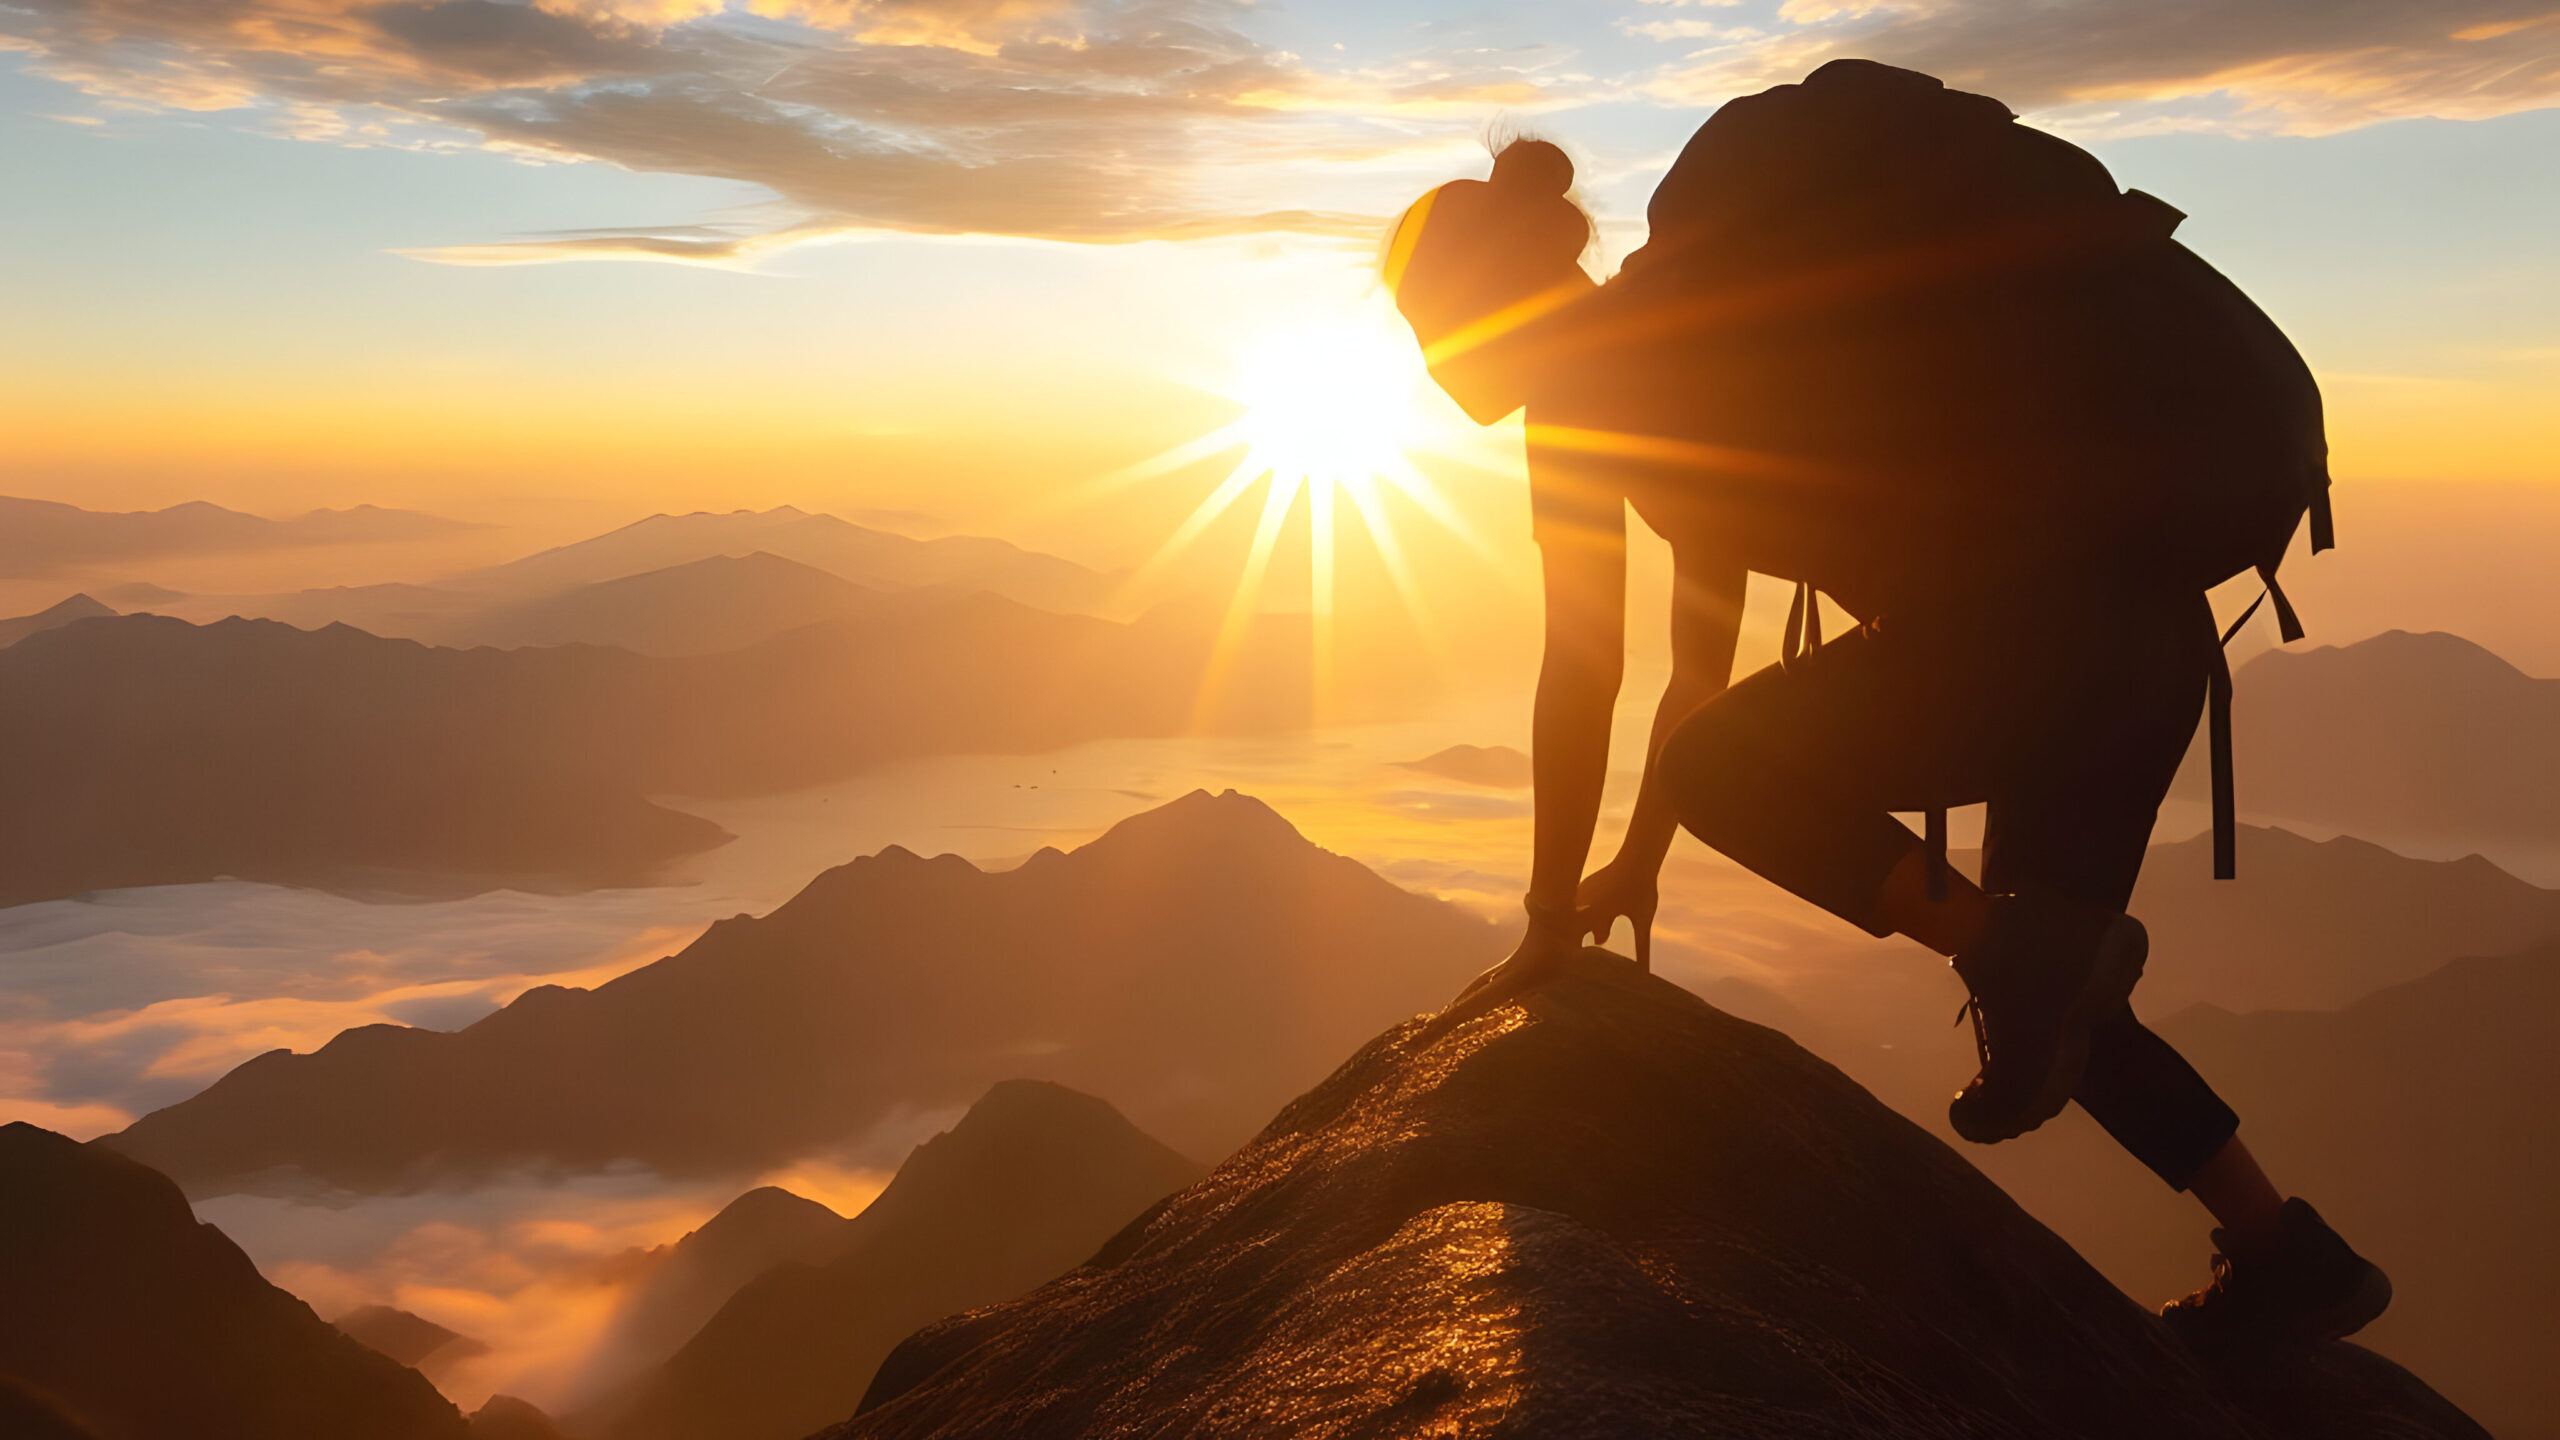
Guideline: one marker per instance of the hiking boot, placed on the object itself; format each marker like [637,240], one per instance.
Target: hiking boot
[2044,972]
[2306,1284]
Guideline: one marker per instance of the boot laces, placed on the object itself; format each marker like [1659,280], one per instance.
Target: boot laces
[1972,1009]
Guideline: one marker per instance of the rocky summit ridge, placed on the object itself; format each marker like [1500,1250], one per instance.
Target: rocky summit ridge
[1606,1210]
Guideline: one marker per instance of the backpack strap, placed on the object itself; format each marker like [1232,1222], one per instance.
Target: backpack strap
[2226,818]
[2324,531]
[1934,825]
[1804,625]
[2288,624]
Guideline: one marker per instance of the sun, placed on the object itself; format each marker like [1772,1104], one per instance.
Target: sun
[1335,409]
[1325,403]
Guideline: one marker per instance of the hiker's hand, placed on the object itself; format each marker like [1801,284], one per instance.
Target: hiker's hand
[1621,887]
[1541,954]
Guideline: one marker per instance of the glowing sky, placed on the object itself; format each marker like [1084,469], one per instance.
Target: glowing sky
[259,250]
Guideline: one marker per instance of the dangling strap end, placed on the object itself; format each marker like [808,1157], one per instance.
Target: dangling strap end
[1935,824]
[2288,624]
[2226,823]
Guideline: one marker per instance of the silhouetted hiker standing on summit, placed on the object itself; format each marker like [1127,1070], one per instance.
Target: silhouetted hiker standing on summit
[1889,344]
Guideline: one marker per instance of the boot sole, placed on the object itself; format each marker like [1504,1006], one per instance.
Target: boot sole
[2359,1307]
[2122,951]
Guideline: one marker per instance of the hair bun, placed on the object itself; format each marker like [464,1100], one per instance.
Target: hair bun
[1533,167]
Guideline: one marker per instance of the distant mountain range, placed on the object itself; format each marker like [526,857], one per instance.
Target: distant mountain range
[873,559]
[1196,965]
[39,538]
[141,750]
[700,607]
[2313,925]
[1027,1186]
[2402,737]
[673,585]
[131,1321]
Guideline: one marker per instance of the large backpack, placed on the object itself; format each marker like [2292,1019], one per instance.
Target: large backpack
[1967,317]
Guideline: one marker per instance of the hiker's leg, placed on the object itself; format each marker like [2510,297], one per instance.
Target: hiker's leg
[1795,772]
[2077,825]
[2238,1193]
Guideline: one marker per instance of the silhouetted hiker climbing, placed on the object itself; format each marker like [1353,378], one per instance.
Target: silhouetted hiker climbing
[1888,344]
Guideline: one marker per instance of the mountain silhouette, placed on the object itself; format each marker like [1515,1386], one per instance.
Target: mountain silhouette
[1499,766]
[135,1322]
[753,1233]
[77,607]
[701,607]
[504,1417]
[412,1340]
[2312,925]
[143,750]
[2402,737]
[1196,965]
[873,559]
[1028,1185]
[1607,1210]
[43,537]
[393,609]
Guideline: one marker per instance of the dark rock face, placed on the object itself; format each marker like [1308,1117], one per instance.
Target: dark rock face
[1197,965]
[134,1322]
[1029,1183]
[1610,1210]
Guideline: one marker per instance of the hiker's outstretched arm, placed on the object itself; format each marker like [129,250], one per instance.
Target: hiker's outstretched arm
[1585,570]
[1585,565]
[1706,620]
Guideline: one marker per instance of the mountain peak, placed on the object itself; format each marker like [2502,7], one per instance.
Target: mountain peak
[1607,1209]
[760,1215]
[1017,1133]
[1228,816]
[2411,654]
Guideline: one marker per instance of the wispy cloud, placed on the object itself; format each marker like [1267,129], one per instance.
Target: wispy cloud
[2302,66]
[1118,120]
[1092,120]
